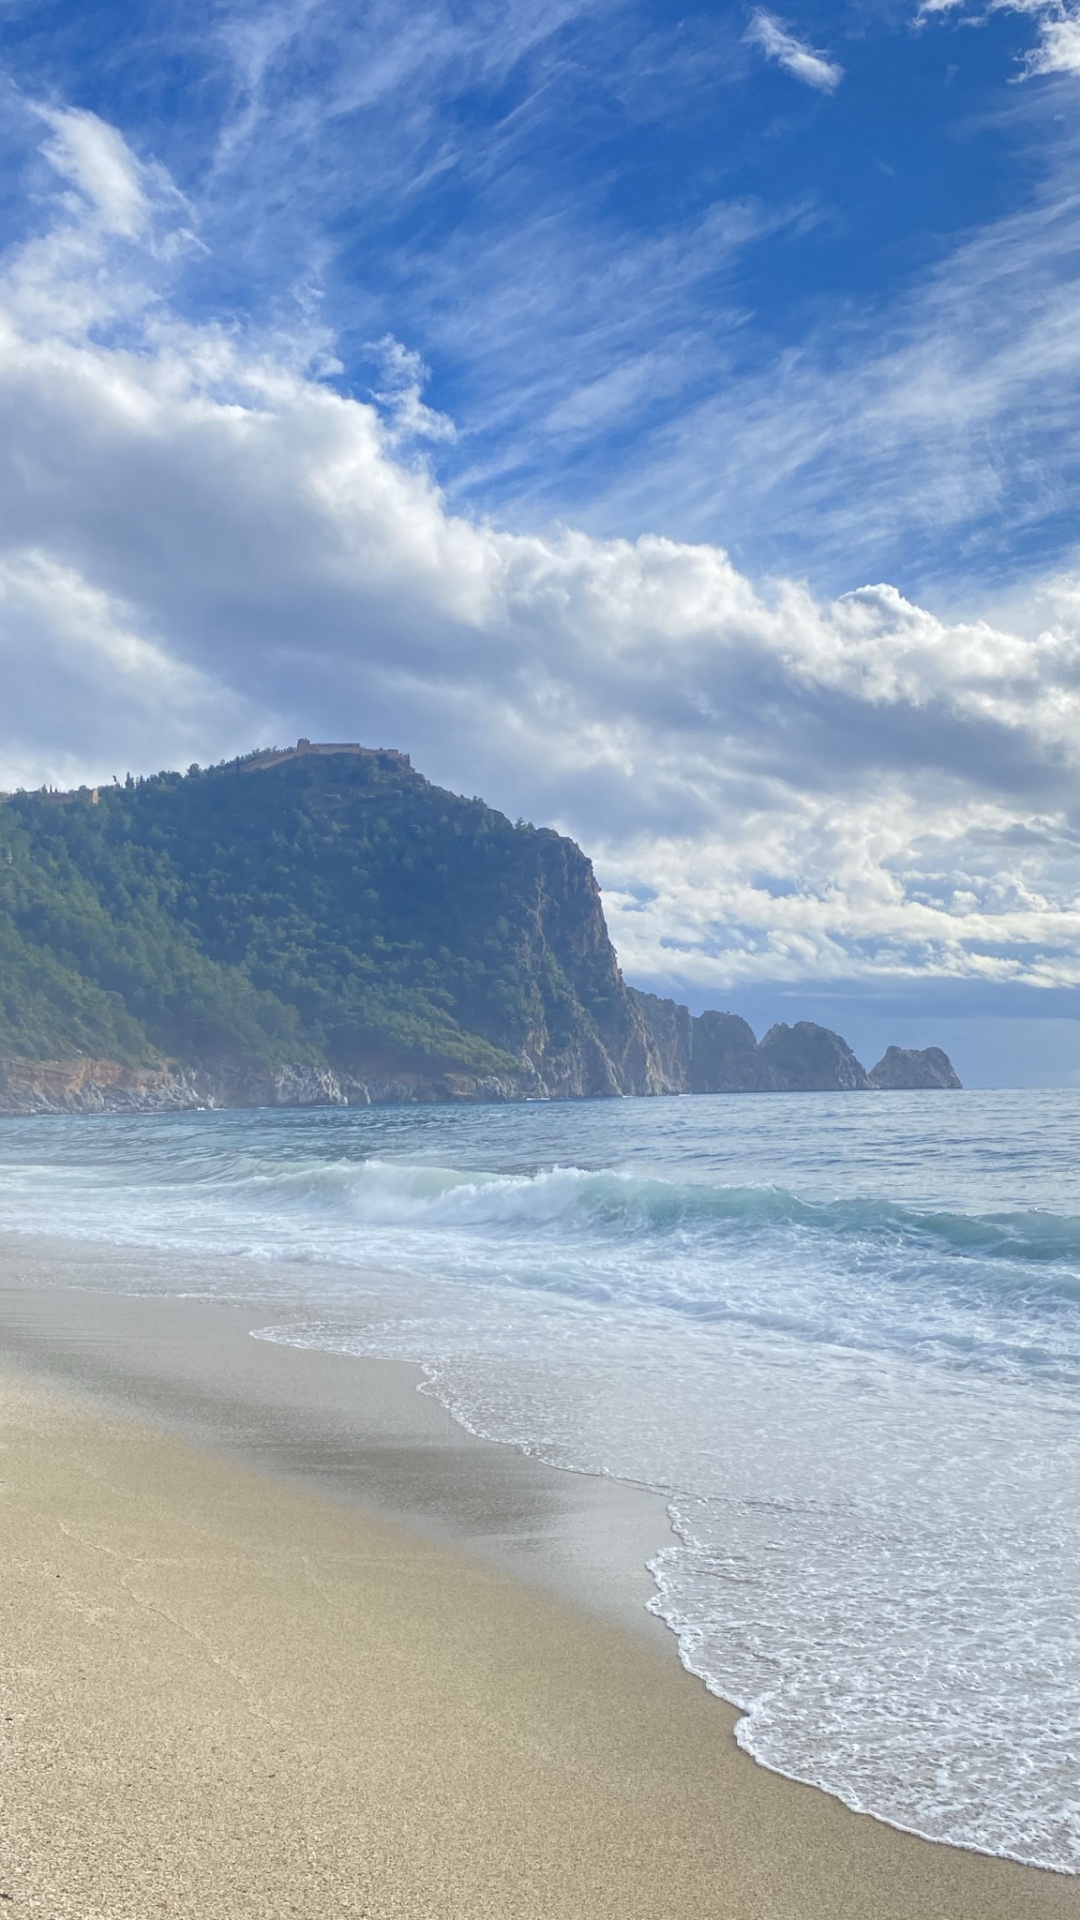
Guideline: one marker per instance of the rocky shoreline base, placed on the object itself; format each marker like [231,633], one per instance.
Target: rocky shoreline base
[800,1059]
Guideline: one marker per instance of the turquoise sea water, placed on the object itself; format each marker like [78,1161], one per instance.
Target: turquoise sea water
[841,1334]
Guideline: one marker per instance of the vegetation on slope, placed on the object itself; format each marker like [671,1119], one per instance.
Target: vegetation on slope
[324,909]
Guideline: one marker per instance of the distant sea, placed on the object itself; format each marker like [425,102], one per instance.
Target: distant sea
[839,1333]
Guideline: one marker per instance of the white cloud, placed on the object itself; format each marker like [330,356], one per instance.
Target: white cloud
[115,237]
[379,56]
[205,545]
[82,683]
[92,155]
[442,173]
[779,44]
[1057,22]
[1058,50]
[403,375]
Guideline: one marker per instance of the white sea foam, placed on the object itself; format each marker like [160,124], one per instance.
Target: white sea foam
[842,1337]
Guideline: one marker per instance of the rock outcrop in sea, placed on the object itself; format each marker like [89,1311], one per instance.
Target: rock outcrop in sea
[910,1069]
[807,1058]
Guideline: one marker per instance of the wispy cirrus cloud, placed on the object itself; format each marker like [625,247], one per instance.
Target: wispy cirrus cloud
[778,43]
[578,334]
[306,66]
[415,177]
[941,440]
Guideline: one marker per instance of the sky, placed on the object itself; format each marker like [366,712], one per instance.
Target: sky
[662,423]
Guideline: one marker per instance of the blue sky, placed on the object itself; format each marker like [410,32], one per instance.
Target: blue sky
[657,277]
[662,422]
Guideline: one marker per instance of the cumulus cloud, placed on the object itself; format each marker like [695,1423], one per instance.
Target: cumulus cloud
[83,684]
[779,44]
[1058,22]
[207,546]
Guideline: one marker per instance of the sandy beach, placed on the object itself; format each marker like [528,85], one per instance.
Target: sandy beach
[229,1693]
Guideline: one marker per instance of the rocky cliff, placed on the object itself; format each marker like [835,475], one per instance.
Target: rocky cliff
[587,1035]
[323,926]
[704,1053]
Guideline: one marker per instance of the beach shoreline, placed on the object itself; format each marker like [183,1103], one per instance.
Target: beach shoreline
[355,1429]
[216,1537]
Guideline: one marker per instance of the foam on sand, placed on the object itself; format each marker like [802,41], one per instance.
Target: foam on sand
[226,1700]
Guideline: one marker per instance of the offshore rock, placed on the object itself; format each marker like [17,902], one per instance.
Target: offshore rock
[909,1069]
[807,1058]
[726,1057]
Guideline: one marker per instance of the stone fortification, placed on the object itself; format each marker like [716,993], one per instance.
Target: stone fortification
[277,756]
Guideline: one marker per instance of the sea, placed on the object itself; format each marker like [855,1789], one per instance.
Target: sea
[840,1334]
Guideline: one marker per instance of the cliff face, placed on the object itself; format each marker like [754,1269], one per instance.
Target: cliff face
[91,1086]
[669,1030]
[322,926]
[664,1051]
[587,1034]
[703,1053]
[312,926]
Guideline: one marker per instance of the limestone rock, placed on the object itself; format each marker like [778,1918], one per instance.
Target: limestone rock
[669,1033]
[726,1057]
[807,1058]
[906,1069]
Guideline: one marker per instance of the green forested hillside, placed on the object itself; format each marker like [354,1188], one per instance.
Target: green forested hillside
[325,909]
[323,924]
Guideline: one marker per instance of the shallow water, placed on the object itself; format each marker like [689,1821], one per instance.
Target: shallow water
[840,1333]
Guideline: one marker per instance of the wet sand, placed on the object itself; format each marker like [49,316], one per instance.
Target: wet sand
[277,1638]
